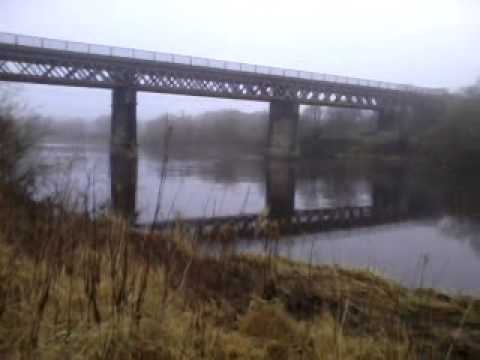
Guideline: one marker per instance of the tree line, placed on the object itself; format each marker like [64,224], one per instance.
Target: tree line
[453,139]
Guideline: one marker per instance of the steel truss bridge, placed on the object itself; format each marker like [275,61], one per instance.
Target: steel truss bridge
[49,61]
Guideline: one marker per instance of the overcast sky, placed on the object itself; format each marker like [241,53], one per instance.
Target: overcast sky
[421,42]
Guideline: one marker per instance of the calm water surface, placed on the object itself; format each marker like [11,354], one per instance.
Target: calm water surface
[433,248]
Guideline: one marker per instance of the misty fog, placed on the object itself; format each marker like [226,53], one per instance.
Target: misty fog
[424,43]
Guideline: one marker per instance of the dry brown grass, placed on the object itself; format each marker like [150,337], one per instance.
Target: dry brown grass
[72,288]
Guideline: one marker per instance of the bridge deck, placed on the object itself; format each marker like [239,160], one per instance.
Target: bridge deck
[50,61]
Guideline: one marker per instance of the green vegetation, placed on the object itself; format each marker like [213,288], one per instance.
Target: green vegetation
[322,131]
[18,136]
[228,130]
[328,132]
[454,143]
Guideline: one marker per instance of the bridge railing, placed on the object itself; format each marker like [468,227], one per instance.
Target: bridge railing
[94,49]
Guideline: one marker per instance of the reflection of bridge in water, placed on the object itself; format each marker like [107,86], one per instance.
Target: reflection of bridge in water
[300,221]
[389,202]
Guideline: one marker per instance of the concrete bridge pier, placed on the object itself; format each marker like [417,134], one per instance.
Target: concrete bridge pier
[395,119]
[283,128]
[388,119]
[390,191]
[123,135]
[123,151]
[280,187]
[123,184]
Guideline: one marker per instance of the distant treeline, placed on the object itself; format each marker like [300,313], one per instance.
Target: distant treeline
[323,132]
[76,130]
[224,130]
[328,131]
[233,130]
[453,144]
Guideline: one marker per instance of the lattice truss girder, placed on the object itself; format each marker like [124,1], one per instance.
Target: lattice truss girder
[256,88]
[194,82]
[70,73]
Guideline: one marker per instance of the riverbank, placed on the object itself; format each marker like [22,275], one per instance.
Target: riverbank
[75,288]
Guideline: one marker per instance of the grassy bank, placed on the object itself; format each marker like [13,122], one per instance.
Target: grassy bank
[71,288]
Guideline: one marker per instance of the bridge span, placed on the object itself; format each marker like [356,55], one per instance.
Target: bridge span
[127,71]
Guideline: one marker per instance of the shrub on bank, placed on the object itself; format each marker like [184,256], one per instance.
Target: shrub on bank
[18,137]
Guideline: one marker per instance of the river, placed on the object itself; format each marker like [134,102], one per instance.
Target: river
[434,247]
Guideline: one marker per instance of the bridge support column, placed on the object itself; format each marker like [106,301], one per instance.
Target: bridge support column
[387,120]
[280,187]
[282,132]
[123,184]
[390,191]
[123,134]
[395,119]
[123,151]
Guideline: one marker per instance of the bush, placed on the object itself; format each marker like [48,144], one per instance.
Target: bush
[454,144]
[18,136]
